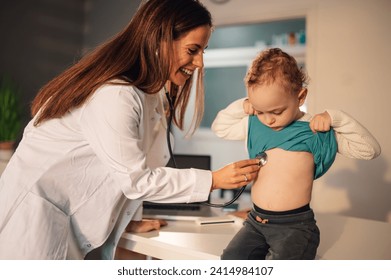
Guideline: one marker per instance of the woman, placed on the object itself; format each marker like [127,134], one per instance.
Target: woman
[96,146]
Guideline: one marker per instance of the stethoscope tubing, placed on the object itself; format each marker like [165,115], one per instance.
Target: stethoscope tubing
[169,122]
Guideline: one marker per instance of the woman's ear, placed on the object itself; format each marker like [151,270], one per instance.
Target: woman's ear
[302,96]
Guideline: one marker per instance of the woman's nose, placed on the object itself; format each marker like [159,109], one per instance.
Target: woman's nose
[198,60]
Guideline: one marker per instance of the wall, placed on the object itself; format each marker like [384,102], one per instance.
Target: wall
[39,39]
[106,18]
[347,60]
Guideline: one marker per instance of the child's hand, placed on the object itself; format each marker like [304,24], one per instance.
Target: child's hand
[248,108]
[320,122]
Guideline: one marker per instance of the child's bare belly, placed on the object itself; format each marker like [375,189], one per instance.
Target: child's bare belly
[285,182]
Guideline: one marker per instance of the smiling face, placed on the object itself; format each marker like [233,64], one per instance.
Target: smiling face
[275,107]
[188,54]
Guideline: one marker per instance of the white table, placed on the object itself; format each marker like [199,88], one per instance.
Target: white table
[342,238]
[348,238]
[182,240]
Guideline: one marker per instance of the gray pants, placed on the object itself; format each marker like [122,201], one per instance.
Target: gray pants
[278,237]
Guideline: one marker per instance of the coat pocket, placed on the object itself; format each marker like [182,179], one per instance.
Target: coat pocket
[36,230]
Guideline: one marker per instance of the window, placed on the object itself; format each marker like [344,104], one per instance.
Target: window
[232,49]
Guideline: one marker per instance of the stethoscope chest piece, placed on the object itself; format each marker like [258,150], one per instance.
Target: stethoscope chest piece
[262,158]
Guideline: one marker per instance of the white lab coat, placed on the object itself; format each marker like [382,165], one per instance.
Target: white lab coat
[74,183]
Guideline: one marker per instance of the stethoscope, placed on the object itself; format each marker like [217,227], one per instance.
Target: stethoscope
[261,156]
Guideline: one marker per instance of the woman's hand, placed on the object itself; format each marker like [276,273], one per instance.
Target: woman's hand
[145,225]
[321,122]
[235,175]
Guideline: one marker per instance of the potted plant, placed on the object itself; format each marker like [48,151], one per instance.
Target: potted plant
[10,117]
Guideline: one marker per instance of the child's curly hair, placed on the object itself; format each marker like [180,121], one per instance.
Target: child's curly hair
[274,65]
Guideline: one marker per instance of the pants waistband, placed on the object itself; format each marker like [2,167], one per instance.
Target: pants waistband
[283,219]
[293,211]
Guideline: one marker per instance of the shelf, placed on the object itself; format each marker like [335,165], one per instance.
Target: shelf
[243,56]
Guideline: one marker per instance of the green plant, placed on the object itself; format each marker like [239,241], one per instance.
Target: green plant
[10,111]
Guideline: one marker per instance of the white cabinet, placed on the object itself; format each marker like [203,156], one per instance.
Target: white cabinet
[243,56]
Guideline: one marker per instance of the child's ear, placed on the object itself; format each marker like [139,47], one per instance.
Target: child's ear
[302,96]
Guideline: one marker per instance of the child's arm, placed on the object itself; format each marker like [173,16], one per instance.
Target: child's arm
[232,122]
[354,140]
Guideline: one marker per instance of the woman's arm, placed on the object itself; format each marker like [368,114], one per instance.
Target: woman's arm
[114,124]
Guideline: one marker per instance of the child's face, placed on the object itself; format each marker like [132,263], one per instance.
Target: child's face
[275,107]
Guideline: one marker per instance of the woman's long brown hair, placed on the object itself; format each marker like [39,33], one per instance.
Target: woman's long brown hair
[135,54]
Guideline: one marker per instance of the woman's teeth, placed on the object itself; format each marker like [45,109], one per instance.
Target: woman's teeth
[186,71]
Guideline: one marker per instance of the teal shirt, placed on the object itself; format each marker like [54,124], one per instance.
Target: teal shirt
[295,137]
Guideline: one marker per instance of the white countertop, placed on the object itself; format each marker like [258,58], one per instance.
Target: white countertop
[342,238]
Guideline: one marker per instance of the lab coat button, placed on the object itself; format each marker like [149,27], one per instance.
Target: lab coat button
[89,245]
